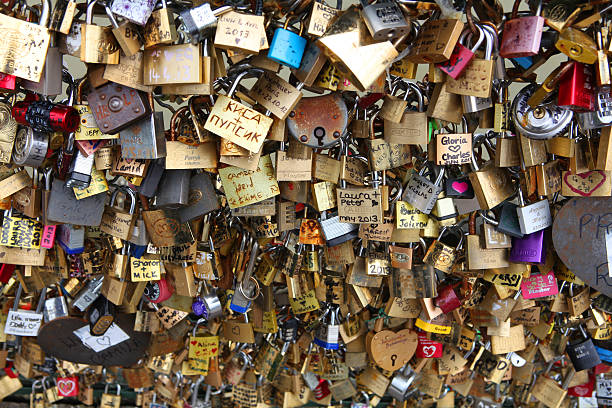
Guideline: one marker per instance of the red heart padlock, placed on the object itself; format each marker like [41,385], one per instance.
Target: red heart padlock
[68,386]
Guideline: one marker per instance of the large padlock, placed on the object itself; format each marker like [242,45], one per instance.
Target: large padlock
[115,107]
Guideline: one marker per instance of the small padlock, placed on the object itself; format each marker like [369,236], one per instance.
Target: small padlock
[100,315]
[287,47]
[583,353]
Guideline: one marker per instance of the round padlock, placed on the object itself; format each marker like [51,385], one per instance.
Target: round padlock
[545,121]
[30,147]
[319,122]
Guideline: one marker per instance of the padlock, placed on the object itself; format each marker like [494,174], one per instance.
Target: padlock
[158,291]
[55,307]
[327,336]
[126,34]
[461,56]
[98,44]
[199,18]
[50,83]
[576,89]
[138,12]
[111,400]
[62,16]
[173,189]
[116,222]
[115,107]
[422,193]
[202,198]
[384,20]
[79,172]
[287,47]
[522,36]
[582,352]
[100,315]
[88,295]
[401,382]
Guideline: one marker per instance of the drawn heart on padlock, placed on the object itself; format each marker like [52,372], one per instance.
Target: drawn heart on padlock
[579,237]
[391,351]
[454,148]
[65,386]
[460,186]
[575,182]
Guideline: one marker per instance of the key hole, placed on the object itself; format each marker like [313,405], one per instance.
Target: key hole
[393,358]
[319,134]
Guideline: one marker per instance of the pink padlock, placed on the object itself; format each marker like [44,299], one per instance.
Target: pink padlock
[461,56]
[48,236]
[522,36]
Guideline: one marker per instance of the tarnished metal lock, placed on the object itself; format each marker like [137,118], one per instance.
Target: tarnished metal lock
[173,189]
[202,198]
[385,20]
[88,295]
[115,107]
[144,139]
[287,47]
[63,206]
[126,34]
[160,29]
[332,120]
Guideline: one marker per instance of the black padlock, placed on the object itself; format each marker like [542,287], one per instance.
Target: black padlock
[582,352]
[101,315]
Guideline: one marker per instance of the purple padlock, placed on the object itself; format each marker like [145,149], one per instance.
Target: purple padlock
[529,249]
[199,308]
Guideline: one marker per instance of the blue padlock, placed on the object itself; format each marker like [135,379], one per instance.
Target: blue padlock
[287,47]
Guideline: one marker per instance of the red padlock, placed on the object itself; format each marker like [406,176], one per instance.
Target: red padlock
[447,299]
[576,89]
[68,386]
[158,291]
[45,116]
[6,271]
[7,82]
[322,390]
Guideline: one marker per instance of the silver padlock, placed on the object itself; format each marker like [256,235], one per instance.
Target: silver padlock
[30,147]
[533,217]
[327,334]
[196,20]
[385,20]
[421,192]
[173,189]
[79,172]
[55,307]
[89,294]
[401,382]
[541,122]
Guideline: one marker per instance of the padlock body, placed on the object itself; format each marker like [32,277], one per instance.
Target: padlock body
[583,354]
[173,189]
[458,61]
[576,89]
[144,139]
[385,20]
[287,48]
[529,249]
[522,37]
